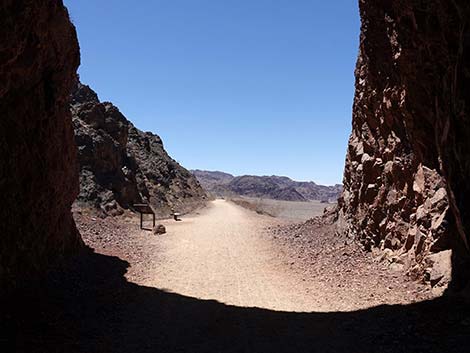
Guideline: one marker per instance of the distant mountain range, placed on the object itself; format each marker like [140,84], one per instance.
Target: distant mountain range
[272,187]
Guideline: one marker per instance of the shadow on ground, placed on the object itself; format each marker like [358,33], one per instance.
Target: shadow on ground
[92,308]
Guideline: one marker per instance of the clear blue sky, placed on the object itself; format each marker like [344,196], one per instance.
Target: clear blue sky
[243,86]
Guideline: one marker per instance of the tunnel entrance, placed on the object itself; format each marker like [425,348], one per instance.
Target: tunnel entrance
[84,277]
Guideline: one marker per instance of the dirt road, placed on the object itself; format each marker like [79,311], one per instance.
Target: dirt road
[220,254]
[225,254]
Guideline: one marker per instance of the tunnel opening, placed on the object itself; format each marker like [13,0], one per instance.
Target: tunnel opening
[405,189]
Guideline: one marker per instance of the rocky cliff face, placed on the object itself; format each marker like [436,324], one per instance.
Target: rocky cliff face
[407,167]
[39,56]
[121,165]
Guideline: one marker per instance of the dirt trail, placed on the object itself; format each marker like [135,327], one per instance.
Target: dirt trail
[220,255]
[224,254]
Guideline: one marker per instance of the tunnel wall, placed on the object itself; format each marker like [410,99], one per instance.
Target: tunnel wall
[407,166]
[39,56]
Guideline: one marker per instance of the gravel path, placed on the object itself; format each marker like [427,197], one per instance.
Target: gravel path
[222,255]
[229,254]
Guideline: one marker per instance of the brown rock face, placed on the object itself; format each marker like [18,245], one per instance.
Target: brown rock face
[121,165]
[39,56]
[407,167]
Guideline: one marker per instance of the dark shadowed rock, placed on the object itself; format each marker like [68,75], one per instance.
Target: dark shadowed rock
[407,160]
[121,165]
[39,56]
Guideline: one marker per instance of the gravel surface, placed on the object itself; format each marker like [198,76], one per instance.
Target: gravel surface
[347,277]
[239,257]
[295,211]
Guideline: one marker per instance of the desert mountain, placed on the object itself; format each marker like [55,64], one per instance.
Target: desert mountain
[272,187]
[121,165]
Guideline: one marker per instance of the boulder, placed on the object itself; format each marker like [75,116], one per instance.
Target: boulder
[440,272]
[159,229]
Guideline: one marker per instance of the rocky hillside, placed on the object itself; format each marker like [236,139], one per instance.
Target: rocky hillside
[406,186]
[121,165]
[271,187]
[210,180]
[38,170]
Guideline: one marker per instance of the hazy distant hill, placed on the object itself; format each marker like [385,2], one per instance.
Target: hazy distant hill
[273,187]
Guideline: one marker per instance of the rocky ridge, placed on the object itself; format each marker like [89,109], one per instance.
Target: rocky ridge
[121,165]
[406,176]
[271,187]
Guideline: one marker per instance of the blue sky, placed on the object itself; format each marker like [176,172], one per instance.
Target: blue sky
[243,86]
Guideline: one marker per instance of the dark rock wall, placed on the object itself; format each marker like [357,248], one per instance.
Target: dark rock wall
[121,165]
[407,166]
[39,55]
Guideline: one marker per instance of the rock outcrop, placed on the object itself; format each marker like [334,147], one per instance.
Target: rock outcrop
[407,168]
[39,55]
[271,187]
[121,165]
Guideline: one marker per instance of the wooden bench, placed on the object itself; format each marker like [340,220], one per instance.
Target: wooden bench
[144,208]
[176,215]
